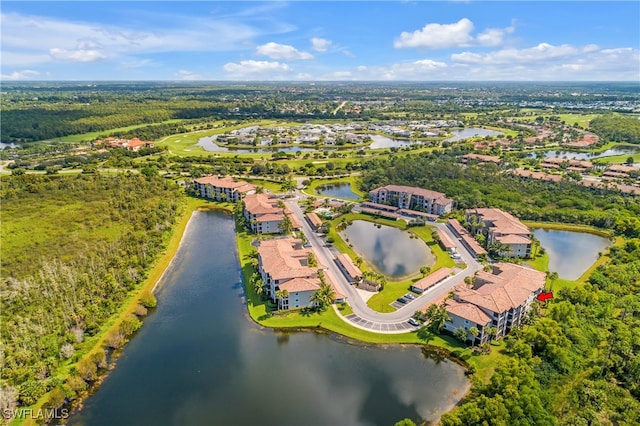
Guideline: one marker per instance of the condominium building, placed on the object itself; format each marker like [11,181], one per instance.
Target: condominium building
[289,278]
[503,227]
[263,213]
[407,197]
[500,298]
[222,189]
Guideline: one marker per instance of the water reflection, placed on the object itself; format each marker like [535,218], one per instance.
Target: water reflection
[390,250]
[199,360]
[340,190]
[570,253]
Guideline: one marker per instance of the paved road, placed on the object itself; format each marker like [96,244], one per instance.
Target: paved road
[365,317]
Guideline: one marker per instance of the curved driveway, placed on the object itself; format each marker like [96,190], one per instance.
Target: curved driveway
[365,317]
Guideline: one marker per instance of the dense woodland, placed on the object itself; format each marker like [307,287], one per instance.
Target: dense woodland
[73,248]
[617,128]
[577,363]
[485,186]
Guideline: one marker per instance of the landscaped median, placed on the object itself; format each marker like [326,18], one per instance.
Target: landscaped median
[382,300]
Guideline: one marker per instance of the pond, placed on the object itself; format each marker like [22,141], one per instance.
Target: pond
[385,142]
[339,190]
[571,155]
[389,250]
[209,144]
[200,360]
[570,253]
[471,132]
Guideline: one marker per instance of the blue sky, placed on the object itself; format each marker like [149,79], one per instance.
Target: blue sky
[304,40]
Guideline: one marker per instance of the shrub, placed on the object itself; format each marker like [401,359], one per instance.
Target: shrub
[130,325]
[30,391]
[115,339]
[148,300]
[88,370]
[140,311]
[76,384]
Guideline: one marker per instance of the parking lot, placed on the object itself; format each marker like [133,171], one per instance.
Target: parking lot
[393,328]
[397,304]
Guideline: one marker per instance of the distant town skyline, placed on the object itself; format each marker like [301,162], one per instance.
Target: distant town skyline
[321,41]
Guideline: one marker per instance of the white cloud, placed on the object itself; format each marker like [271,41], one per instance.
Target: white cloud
[77,55]
[282,51]
[43,39]
[320,44]
[459,34]
[262,70]
[20,75]
[543,51]
[348,53]
[438,36]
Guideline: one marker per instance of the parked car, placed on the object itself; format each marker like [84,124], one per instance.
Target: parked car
[409,296]
[413,322]
[401,300]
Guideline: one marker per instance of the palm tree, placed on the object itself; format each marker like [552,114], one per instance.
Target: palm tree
[492,332]
[460,334]
[285,226]
[258,286]
[440,318]
[280,295]
[323,297]
[474,332]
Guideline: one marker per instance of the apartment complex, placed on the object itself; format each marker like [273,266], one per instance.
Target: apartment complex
[285,270]
[222,189]
[263,213]
[502,227]
[407,197]
[500,298]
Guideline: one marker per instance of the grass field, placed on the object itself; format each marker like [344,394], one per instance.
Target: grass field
[87,137]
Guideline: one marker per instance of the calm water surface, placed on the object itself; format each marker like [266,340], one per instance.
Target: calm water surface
[570,253]
[471,132]
[209,144]
[199,360]
[570,155]
[389,249]
[341,190]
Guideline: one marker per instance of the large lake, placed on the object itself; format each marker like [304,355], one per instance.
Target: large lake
[570,253]
[200,360]
[388,249]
